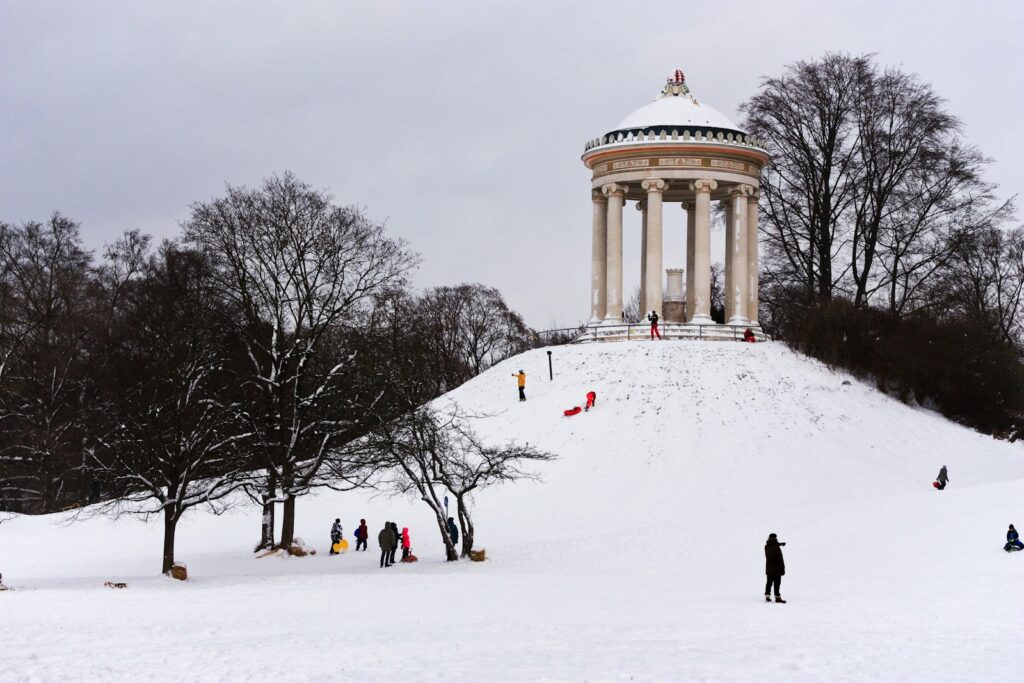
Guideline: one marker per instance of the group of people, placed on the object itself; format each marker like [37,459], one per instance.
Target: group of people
[389,539]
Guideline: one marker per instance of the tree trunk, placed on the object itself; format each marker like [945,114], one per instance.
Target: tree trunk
[466,524]
[288,522]
[170,525]
[451,554]
[267,521]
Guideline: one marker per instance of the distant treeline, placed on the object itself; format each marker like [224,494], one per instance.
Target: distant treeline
[885,250]
[244,355]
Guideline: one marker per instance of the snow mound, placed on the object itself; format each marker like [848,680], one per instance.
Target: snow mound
[638,555]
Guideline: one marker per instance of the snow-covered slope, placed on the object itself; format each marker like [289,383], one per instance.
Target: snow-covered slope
[638,555]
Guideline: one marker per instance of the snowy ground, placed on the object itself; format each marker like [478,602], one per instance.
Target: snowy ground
[639,557]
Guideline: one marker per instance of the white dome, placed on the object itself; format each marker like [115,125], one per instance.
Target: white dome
[676,112]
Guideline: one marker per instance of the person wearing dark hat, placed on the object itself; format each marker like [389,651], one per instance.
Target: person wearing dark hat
[774,567]
[942,479]
[1013,540]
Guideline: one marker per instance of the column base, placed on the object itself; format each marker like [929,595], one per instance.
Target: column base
[737,320]
[701,319]
[610,320]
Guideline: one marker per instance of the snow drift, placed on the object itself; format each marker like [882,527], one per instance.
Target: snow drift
[638,555]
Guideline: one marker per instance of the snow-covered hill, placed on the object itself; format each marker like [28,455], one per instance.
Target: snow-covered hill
[639,555]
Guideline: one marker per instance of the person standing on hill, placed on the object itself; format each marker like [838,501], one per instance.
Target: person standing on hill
[406,545]
[774,567]
[335,535]
[653,318]
[591,400]
[361,533]
[942,479]
[521,376]
[1013,540]
[386,539]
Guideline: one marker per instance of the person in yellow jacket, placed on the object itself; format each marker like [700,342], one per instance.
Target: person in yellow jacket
[522,384]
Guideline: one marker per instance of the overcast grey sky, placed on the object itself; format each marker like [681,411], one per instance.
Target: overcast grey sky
[460,123]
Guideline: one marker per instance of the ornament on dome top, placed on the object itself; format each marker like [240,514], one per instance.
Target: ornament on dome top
[675,85]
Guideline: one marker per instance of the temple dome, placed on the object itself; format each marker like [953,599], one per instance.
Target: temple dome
[677,108]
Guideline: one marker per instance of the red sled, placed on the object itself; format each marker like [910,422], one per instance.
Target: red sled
[935,484]
[573,411]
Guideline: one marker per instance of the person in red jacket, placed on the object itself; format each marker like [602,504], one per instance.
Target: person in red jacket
[405,543]
[361,535]
[748,336]
[591,400]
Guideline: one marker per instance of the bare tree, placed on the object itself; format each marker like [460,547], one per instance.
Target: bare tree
[468,465]
[413,447]
[430,454]
[295,267]
[44,358]
[170,441]
[631,312]
[472,328]
[806,119]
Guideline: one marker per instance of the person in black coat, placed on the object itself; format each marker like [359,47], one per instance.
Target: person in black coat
[453,531]
[774,567]
[397,535]
[387,541]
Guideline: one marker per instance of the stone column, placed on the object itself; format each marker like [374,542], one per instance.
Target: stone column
[690,249]
[641,206]
[736,257]
[727,286]
[599,255]
[702,251]
[753,265]
[615,193]
[673,305]
[654,277]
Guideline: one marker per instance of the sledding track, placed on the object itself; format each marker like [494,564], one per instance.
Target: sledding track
[638,555]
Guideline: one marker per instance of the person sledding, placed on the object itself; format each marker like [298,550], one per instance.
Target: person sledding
[653,318]
[335,536]
[748,336]
[1013,540]
[521,377]
[942,479]
[591,400]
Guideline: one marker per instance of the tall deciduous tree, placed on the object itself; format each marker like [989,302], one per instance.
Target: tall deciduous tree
[295,267]
[169,440]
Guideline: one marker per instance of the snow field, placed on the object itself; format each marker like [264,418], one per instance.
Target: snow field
[639,555]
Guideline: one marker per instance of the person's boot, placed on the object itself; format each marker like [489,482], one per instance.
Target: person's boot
[767,598]
[778,598]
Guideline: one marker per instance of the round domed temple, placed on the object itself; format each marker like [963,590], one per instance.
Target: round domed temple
[675,149]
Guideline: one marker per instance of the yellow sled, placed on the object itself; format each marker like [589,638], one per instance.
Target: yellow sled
[341,546]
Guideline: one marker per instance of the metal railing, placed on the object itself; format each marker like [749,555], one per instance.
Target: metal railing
[642,331]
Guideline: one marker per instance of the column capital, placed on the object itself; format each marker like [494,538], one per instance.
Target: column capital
[614,189]
[703,185]
[740,190]
[641,205]
[754,196]
[654,185]
[597,196]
